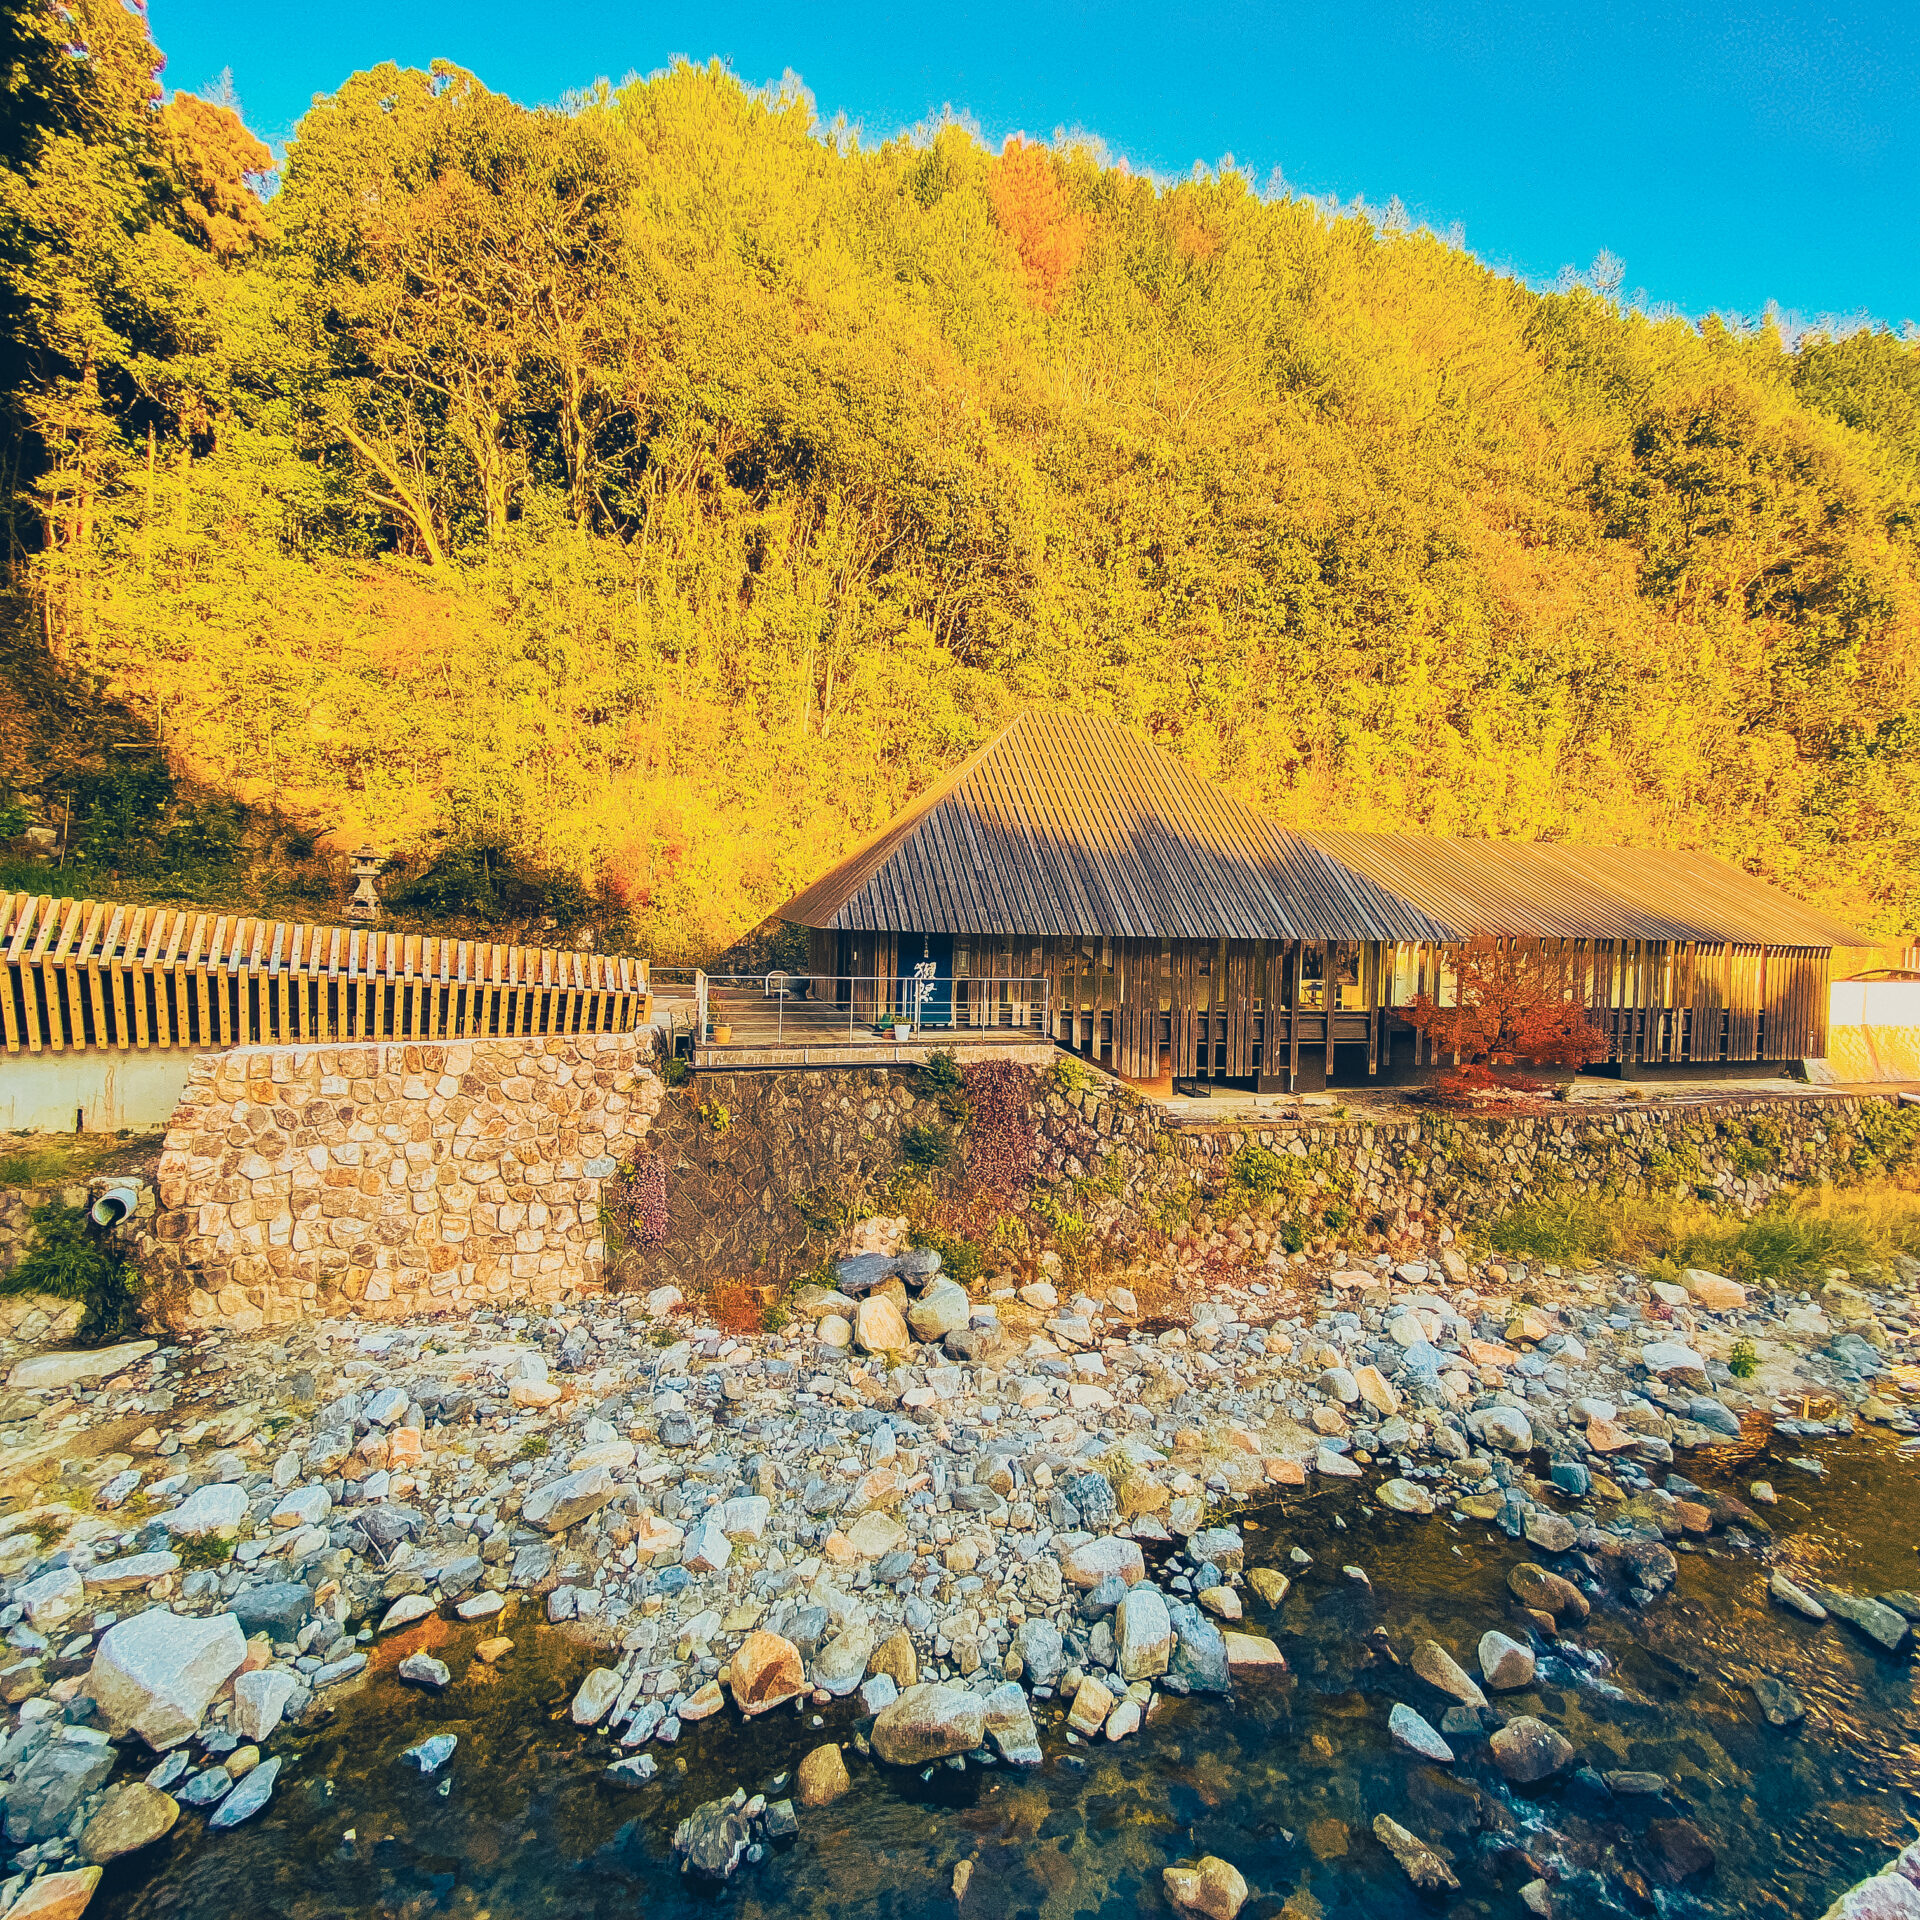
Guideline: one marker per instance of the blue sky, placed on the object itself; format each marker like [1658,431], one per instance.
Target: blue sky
[1730,154]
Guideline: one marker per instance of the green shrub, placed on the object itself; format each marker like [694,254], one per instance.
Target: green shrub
[1259,1177]
[675,1069]
[72,1259]
[1069,1075]
[939,1079]
[1744,1361]
[926,1148]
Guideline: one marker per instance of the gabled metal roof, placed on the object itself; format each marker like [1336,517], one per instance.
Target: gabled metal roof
[1068,824]
[1550,891]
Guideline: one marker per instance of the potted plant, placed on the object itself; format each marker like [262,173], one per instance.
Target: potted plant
[722,1033]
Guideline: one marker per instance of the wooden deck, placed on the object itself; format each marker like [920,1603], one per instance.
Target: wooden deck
[806,1036]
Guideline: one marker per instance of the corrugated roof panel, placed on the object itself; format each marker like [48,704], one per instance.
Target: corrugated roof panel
[1068,824]
[1551,891]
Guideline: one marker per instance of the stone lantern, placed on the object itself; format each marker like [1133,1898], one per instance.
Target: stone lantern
[365,904]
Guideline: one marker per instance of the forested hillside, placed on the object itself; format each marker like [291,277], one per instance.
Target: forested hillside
[636,504]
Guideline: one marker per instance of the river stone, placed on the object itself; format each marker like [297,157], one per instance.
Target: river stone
[1041,1651]
[1528,1751]
[1789,1595]
[215,1509]
[133,1815]
[1438,1668]
[840,1665]
[302,1507]
[57,1896]
[1403,1496]
[1412,1732]
[156,1674]
[875,1534]
[59,1777]
[943,1309]
[929,1722]
[563,1502]
[1550,1532]
[714,1838]
[1879,1623]
[896,1658]
[133,1570]
[1425,1866]
[1219,1547]
[878,1326]
[206,1787]
[247,1798]
[1199,1652]
[1334,1466]
[404,1612]
[1671,1356]
[766,1672]
[1144,1634]
[878,1691]
[1091,1705]
[431,1755]
[595,1697]
[423,1670]
[1010,1726]
[1271,1585]
[1376,1391]
[1714,1290]
[278,1607]
[1211,1887]
[1505,1663]
[1085,1566]
[1781,1705]
[1504,1427]
[823,1777]
[259,1699]
[53,1599]
[1546,1592]
[47,1370]
[1683,1851]
[1253,1653]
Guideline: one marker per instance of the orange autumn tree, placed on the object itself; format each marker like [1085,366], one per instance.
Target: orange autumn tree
[1031,208]
[1511,1002]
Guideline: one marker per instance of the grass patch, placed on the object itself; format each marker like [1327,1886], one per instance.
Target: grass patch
[203,1550]
[72,1259]
[536,1446]
[961,1260]
[1789,1242]
[52,1159]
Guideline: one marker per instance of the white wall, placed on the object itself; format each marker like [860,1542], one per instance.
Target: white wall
[41,1092]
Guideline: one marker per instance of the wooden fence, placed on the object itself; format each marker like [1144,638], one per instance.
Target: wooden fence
[87,974]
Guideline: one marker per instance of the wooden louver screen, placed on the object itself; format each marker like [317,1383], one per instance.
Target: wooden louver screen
[87,973]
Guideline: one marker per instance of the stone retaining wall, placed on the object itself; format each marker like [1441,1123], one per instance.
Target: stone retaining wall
[1123,1169]
[392,1178]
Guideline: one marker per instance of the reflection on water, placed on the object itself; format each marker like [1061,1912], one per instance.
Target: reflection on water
[1284,1781]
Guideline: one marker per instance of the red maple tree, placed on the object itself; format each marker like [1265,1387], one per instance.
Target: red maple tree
[1512,1002]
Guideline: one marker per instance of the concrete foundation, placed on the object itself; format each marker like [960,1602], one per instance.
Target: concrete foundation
[98,1091]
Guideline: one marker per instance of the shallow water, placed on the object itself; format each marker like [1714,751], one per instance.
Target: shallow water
[1284,1780]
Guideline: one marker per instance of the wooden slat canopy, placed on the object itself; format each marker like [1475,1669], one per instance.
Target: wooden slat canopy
[89,973]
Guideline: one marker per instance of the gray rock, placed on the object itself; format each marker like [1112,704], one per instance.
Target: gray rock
[1010,1726]
[1417,1736]
[1781,1705]
[1199,1663]
[1042,1652]
[279,1608]
[248,1797]
[423,1670]
[1528,1751]
[564,1502]
[1880,1624]
[42,1800]
[1218,1546]
[206,1788]
[1143,1634]
[929,1722]
[431,1755]
[157,1673]
[635,1771]
[713,1839]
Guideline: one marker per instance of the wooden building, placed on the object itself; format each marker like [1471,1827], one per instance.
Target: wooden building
[1167,928]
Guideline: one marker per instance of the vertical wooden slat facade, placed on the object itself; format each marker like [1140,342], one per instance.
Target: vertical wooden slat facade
[89,974]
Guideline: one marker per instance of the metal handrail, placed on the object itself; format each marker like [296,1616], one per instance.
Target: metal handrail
[874,1005]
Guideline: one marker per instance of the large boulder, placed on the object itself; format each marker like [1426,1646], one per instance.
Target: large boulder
[564,1502]
[929,1722]
[714,1838]
[1211,1887]
[156,1674]
[1010,1726]
[43,1797]
[1528,1751]
[1199,1663]
[48,1370]
[1144,1634]
[133,1815]
[943,1309]
[823,1776]
[1085,1566]
[878,1326]
[767,1672]
[216,1509]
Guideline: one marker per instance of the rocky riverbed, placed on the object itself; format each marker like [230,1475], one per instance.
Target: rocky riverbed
[944,1534]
